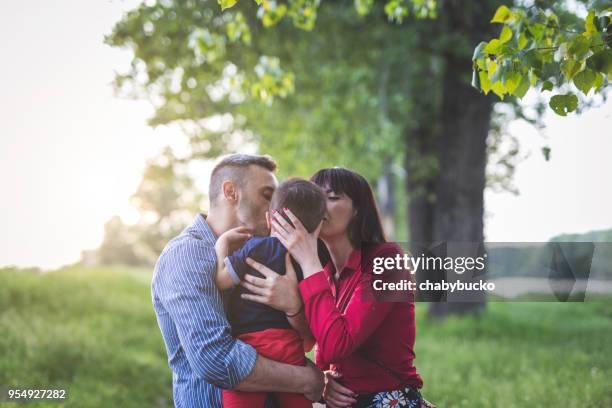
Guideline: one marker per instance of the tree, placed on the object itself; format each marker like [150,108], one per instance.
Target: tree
[118,244]
[166,200]
[358,90]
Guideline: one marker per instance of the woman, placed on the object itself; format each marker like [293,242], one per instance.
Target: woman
[364,346]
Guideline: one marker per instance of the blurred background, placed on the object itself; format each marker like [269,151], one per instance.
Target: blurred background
[114,113]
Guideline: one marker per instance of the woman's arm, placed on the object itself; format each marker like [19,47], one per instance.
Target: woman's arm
[337,334]
[340,334]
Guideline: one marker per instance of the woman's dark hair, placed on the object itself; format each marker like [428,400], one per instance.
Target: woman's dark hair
[365,227]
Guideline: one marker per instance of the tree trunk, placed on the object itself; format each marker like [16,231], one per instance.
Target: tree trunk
[420,189]
[456,213]
[459,206]
[386,200]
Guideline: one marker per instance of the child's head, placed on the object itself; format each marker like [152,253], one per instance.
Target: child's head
[305,199]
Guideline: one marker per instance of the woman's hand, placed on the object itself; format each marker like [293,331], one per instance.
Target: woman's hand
[300,244]
[277,291]
[336,395]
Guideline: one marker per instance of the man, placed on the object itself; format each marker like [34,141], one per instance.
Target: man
[203,355]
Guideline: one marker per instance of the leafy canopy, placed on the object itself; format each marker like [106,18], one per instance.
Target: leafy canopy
[535,49]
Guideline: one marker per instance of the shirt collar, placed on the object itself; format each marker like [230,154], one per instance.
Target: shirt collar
[352,263]
[203,229]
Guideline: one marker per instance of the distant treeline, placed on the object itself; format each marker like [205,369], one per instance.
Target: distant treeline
[583,256]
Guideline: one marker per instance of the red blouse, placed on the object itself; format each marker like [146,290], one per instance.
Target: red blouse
[349,326]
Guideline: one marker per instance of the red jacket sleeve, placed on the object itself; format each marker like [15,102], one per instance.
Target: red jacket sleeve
[338,334]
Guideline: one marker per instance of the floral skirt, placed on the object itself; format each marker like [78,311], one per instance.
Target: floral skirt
[407,397]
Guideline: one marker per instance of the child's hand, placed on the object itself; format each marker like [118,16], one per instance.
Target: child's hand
[232,239]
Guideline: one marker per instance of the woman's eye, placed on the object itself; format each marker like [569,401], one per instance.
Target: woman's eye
[333,198]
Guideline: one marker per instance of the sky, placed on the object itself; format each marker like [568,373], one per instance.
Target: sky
[72,153]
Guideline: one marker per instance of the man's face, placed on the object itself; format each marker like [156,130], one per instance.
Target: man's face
[254,201]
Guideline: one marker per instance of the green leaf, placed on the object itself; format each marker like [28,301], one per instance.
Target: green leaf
[536,30]
[522,41]
[493,47]
[479,51]
[522,88]
[498,89]
[497,73]
[546,153]
[502,15]
[396,10]
[551,70]
[492,68]
[585,80]
[533,78]
[481,63]
[272,16]
[363,6]
[485,83]
[589,23]
[532,59]
[564,104]
[599,80]
[225,4]
[512,81]
[579,46]
[601,61]
[570,67]
[506,34]
[547,86]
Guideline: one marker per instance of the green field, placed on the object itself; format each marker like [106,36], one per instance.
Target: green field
[92,331]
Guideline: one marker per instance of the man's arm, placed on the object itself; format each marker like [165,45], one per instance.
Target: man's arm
[270,375]
[185,287]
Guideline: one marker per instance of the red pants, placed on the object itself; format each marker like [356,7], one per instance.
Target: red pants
[283,345]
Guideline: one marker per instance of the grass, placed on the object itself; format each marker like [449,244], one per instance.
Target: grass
[519,354]
[92,331]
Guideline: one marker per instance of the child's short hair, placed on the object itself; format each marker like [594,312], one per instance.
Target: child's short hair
[304,198]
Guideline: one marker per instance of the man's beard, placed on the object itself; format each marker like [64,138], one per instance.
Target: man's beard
[247,216]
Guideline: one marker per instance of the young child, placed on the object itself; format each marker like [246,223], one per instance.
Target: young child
[266,329]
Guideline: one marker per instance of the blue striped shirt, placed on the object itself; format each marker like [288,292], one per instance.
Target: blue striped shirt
[202,353]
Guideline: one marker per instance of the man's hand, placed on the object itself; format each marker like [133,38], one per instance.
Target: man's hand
[273,376]
[336,395]
[315,383]
[277,291]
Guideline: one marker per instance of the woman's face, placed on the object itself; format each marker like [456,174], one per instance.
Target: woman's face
[339,213]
